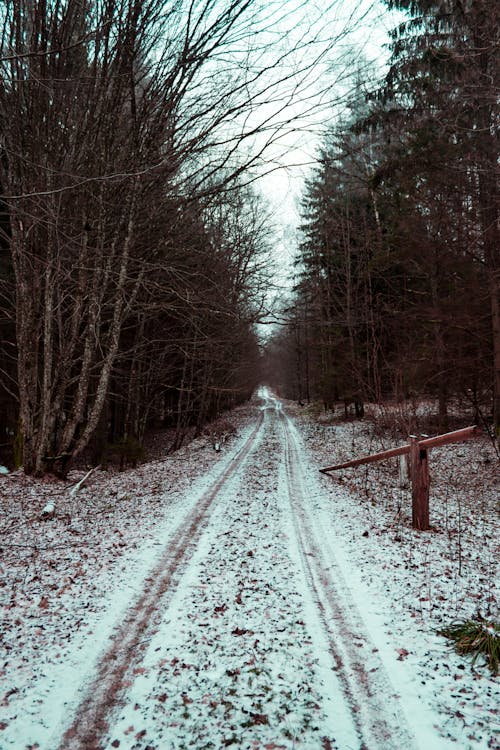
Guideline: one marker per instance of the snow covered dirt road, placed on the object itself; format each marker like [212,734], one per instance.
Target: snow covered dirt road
[244,633]
[375,706]
[244,636]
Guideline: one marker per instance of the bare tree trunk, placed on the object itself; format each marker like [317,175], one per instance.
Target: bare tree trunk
[27,326]
[494,286]
[439,341]
[489,212]
[113,338]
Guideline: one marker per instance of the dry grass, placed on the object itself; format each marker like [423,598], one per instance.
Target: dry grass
[475,637]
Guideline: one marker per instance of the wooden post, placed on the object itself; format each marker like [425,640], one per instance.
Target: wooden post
[404,470]
[417,453]
[420,482]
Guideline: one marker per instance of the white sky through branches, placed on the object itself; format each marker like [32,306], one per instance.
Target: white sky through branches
[354,38]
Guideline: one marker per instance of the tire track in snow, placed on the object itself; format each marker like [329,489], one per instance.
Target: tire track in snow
[116,664]
[239,660]
[374,704]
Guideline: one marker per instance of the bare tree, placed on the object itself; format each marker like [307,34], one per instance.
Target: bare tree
[111,114]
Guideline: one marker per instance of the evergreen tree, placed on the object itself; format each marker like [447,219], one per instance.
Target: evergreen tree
[436,113]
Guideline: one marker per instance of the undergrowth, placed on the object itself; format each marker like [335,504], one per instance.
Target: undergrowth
[475,637]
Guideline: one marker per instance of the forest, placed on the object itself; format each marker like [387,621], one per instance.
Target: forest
[397,292]
[136,251]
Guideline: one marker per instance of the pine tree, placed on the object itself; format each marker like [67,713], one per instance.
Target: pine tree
[437,112]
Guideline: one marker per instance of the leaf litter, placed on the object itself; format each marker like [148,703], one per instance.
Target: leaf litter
[236,661]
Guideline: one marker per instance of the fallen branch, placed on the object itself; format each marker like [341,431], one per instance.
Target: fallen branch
[82,481]
[49,510]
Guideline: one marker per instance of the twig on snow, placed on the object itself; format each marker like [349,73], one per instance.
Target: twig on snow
[79,484]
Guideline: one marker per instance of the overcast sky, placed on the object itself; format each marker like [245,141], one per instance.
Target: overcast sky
[295,153]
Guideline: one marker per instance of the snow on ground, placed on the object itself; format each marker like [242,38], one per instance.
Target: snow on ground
[409,583]
[217,674]
[235,661]
[65,582]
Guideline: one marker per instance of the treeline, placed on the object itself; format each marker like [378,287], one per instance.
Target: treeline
[132,255]
[398,290]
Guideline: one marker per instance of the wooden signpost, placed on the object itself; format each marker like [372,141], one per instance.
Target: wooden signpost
[417,450]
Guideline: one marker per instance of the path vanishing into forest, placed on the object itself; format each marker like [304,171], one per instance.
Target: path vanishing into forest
[246,633]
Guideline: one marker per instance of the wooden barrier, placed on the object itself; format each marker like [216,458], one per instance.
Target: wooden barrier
[417,449]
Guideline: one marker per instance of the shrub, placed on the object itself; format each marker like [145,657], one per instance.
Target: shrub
[476,637]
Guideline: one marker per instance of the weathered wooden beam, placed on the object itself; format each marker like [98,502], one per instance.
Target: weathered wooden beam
[451,437]
[434,442]
[369,459]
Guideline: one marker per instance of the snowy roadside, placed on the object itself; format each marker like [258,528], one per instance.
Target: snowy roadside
[408,583]
[64,583]
[237,659]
